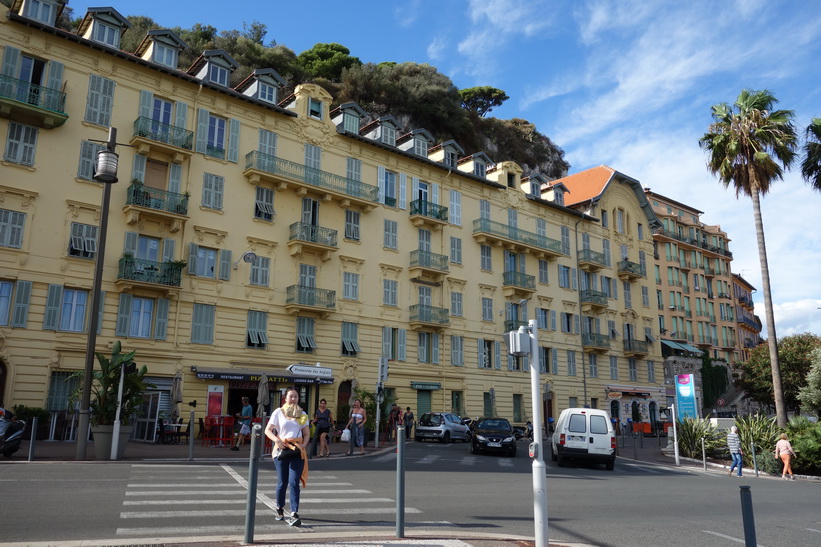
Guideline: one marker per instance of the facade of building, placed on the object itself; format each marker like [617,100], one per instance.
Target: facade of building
[249,232]
[749,324]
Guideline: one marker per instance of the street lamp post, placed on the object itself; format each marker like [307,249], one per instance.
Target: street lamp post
[106,172]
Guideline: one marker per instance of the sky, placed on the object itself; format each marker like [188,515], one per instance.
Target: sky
[628,84]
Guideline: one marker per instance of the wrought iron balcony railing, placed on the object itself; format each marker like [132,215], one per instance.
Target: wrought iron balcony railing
[635,346]
[429,209]
[159,200]
[40,96]
[310,296]
[633,268]
[518,279]
[215,152]
[427,259]
[589,255]
[589,296]
[428,314]
[485,225]
[310,233]
[168,274]
[163,132]
[595,340]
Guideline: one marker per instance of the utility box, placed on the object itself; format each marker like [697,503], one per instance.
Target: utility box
[518,342]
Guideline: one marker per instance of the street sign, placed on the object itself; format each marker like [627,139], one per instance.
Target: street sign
[308,370]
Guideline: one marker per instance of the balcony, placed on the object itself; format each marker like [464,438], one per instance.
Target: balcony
[301,299]
[422,316]
[630,271]
[685,265]
[147,274]
[751,323]
[32,104]
[144,202]
[486,231]
[149,135]
[709,272]
[595,342]
[314,239]
[725,296]
[704,340]
[595,301]
[519,285]
[285,174]
[635,347]
[215,152]
[426,214]
[514,324]
[428,264]
[591,261]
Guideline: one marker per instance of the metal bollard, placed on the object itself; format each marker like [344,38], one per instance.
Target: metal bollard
[635,448]
[253,471]
[703,454]
[191,437]
[33,437]
[400,482]
[747,516]
[755,461]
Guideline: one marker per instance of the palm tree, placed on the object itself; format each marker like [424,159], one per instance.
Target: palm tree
[749,146]
[811,166]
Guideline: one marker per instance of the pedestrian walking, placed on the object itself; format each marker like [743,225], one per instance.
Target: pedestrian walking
[393,422]
[323,422]
[288,429]
[408,424]
[245,422]
[734,446]
[783,450]
[357,426]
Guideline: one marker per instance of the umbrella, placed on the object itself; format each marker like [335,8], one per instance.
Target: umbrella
[262,395]
[176,394]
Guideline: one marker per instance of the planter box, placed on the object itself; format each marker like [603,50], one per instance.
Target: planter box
[103,435]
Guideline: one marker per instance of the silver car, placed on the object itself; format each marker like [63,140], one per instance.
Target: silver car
[443,426]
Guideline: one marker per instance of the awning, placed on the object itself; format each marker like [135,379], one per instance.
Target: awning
[673,345]
[689,347]
[275,375]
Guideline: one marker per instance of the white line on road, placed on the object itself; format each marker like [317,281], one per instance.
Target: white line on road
[428,460]
[640,467]
[242,512]
[242,501]
[221,484]
[731,538]
[813,530]
[238,492]
[204,531]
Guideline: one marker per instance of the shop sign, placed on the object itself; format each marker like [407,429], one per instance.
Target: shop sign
[614,394]
[426,386]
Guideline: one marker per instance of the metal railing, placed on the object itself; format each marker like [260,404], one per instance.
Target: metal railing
[428,314]
[625,266]
[429,209]
[154,198]
[163,132]
[518,279]
[595,340]
[309,175]
[427,259]
[310,296]
[40,96]
[310,233]
[589,255]
[215,152]
[635,346]
[148,271]
[485,225]
[589,296]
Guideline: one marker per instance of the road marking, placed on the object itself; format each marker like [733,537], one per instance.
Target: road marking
[222,484]
[206,531]
[226,492]
[731,538]
[135,503]
[640,467]
[507,462]
[813,530]
[242,512]
[428,460]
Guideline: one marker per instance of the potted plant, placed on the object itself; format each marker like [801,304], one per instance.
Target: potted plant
[104,390]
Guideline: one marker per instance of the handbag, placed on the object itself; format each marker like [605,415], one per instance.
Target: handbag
[346,436]
[289,453]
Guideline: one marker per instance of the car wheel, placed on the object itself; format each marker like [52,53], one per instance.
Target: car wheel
[467,436]
[609,465]
[561,461]
[553,455]
[445,438]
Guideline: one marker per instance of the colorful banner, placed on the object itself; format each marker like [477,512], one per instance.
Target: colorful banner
[686,397]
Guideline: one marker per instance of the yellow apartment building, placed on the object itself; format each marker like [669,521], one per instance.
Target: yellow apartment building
[249,232]
[749,324]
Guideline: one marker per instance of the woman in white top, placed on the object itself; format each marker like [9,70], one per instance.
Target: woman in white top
[357,426]
[288,428]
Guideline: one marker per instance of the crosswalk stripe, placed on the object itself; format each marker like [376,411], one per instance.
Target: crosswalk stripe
[238,492]
[242,512]
[204,531]
[238,501]
[222,484]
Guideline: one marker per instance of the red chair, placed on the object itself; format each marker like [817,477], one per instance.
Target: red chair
[209,432]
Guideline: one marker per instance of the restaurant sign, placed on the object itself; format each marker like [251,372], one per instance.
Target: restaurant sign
[248,376]
[426,386]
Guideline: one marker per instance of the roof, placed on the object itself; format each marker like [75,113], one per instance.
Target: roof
[206,56]
[152,35]
[586,185]
[261,74]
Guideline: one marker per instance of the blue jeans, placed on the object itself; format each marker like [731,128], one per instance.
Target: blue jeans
[288,473]
[736,462]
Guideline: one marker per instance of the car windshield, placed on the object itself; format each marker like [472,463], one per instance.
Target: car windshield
[430,419]
[494,424]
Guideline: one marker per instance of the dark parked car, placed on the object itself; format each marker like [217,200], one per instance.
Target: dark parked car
[442,426]
[493,435]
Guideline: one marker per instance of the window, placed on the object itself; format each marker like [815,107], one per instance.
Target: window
[457,351]
[142,311]
[350,335]
[21,144]
[455,250]
[387,187]
[350,122]
[83,241]
[487,351]
[106,34]
[620,221]
[43,11]
[541,227]
[256,335]
[485,254]
[456,304]
[389,291]
[605,247]
[542,315]
[100,100]
[484,209]
[480,169]
[645,297]
[651,371]
[353,169]
[420,147]
[605,222]
[628,295]
[264,204]
[451,158]
[518,403]
[593,362]
[352,224]
[305,342]
[215,145]
[350,286]
[455,209]
[390,239]
[212,190]
[543,277]
[12,224]
[206,262]
[428,347]
[388,135]
[487,309]
[267,93]
[544,359]
[315,108]
[202,324]
[570,322]
[614,367]
[217,75]
[164,55]
[260,268]
[571,362]
[631,367]
[565,240]
[5,302]
[393,343]
[88,159]
[640,231]
[72,308]
[564,277]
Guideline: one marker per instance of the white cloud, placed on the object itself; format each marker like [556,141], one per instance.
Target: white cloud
[797,317]
[436,48]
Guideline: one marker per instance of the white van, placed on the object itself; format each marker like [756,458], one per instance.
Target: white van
[584,434]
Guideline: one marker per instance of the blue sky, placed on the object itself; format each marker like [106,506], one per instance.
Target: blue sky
[628,84]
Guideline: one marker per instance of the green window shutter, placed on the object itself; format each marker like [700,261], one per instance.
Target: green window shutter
[138,169]
[181,115]
[480,352]
[11,63]
[233,140]
[55,81]
[267,142]
[386,341]
[93,99]
[174,177]
[403,185]
[100,313]
[202,131]
[22,296]
[123,315]
[497,355]
[193,249]
[130,246]
[51,317]
[146,103]
[161,323]
[400,352]
[168,250]
[380,181]
[225,265]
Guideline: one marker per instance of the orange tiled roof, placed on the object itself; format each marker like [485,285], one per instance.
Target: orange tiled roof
[585,185]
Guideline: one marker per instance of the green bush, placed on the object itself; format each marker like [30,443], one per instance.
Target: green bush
[806,441]
[758,430]
[26,413]
[691,431]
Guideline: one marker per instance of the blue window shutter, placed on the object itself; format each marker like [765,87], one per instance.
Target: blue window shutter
[400,353]
[22,296]
[100,313]
[55,81]
[403,189]
[193,249]
[509,361]
[208,323]
[181,114]
[434,354]
[225,265]
[161,323]
[434,193]
[480,352]
[576,323]
[123,315]
[130,243]
[386,341]
[552,319]
[168,250]
[88,160]
[380,182]
[233,140]
[202,131]
[138,169]
[574,275]
[11,62]
[497,355]
[174,177]
[52,316]
[414,186]
[146,103]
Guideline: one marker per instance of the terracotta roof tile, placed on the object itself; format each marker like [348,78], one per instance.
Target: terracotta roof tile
[585,185]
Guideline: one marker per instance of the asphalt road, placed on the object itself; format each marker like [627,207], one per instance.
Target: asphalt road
[446,488]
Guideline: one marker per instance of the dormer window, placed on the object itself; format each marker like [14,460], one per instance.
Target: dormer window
[511,180]
[165,56]
[41,10]
[479,169]
[350,122]
[388,135]
[535,186]
[106,34]
[420,147]
[451,158]
[218,75]
[558,196]
[315,108]
[267,93]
